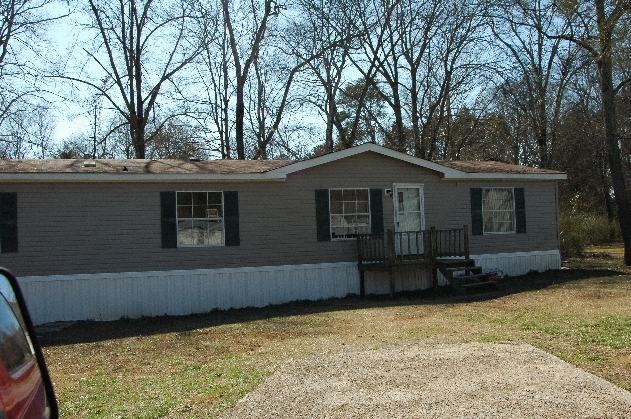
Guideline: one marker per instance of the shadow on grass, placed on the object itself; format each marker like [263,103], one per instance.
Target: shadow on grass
[95,331]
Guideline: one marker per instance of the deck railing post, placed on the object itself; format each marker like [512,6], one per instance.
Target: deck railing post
[391,247]
[433,244]
[466,241]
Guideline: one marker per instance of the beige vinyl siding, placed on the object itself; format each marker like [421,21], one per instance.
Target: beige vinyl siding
[72,228]
[541,218]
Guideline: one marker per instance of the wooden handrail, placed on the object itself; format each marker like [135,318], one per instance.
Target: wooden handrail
[427,245]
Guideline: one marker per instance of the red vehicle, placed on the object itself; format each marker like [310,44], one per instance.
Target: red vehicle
[25,388]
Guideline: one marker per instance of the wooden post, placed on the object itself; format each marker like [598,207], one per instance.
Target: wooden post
[362,284]
[433,256]
[466,241]
[391,247]
[393,254]
[433,244]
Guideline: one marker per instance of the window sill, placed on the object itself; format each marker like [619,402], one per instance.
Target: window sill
[189,246]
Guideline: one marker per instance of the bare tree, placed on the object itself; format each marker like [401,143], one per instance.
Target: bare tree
[382,47]
[581,150]
[175,140]
[106,137]
[456,66]
[539,67]
[245,46]
[251,70]
[22,25]
[361,113]
[299,47]
[332,23]
[600,27]
[217,91]
[140,48]
[423,57]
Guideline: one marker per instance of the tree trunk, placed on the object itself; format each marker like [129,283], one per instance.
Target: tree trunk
[239,119]
[330,115]
[613,149]
[225,149]
[137,134]
[416,131]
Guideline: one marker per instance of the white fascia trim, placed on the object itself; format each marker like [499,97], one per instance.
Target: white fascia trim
[445,172]
[133,177]
[349,152]
[507,176]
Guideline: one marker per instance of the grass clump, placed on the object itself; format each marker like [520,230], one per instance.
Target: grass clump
[611,331]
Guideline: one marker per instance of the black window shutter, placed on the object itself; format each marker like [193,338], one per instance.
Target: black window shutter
[8,222]
[231,217]
[477,222]
[169,220]
[520,210]
[376,211]
[323,219]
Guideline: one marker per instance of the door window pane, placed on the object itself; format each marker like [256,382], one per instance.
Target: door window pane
[409,209]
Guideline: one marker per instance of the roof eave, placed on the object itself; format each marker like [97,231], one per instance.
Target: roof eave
[507,176]
[138,177]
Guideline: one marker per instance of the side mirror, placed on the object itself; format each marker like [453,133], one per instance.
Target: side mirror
[26,391]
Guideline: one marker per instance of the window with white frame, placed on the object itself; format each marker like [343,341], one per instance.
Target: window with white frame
[498,210]
[200,218]
[350,212]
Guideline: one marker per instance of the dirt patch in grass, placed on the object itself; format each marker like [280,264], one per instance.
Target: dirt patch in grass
[197,366]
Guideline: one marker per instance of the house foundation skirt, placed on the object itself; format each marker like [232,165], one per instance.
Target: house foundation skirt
[111,296]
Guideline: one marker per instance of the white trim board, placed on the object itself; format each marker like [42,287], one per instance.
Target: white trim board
[446,173]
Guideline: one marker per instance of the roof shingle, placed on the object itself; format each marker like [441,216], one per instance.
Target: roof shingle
[468,166]
[137,166]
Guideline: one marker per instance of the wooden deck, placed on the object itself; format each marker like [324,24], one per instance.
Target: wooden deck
[446,251]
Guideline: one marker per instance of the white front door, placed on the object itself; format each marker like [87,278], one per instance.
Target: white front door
[409,218]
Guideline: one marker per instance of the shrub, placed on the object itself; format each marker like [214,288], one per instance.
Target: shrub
[579,230]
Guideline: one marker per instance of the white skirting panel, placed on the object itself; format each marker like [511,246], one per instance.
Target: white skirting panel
[110,296]
[520,263]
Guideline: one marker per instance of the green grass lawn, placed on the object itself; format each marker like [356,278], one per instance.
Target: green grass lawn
[197,366]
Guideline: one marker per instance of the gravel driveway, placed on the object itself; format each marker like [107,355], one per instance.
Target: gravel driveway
[473,380]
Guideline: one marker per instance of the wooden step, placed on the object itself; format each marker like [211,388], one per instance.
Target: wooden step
[463,268]
[472,270]
[469,272]
[478,284]
[456,263]
[469,279]
[473,277]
